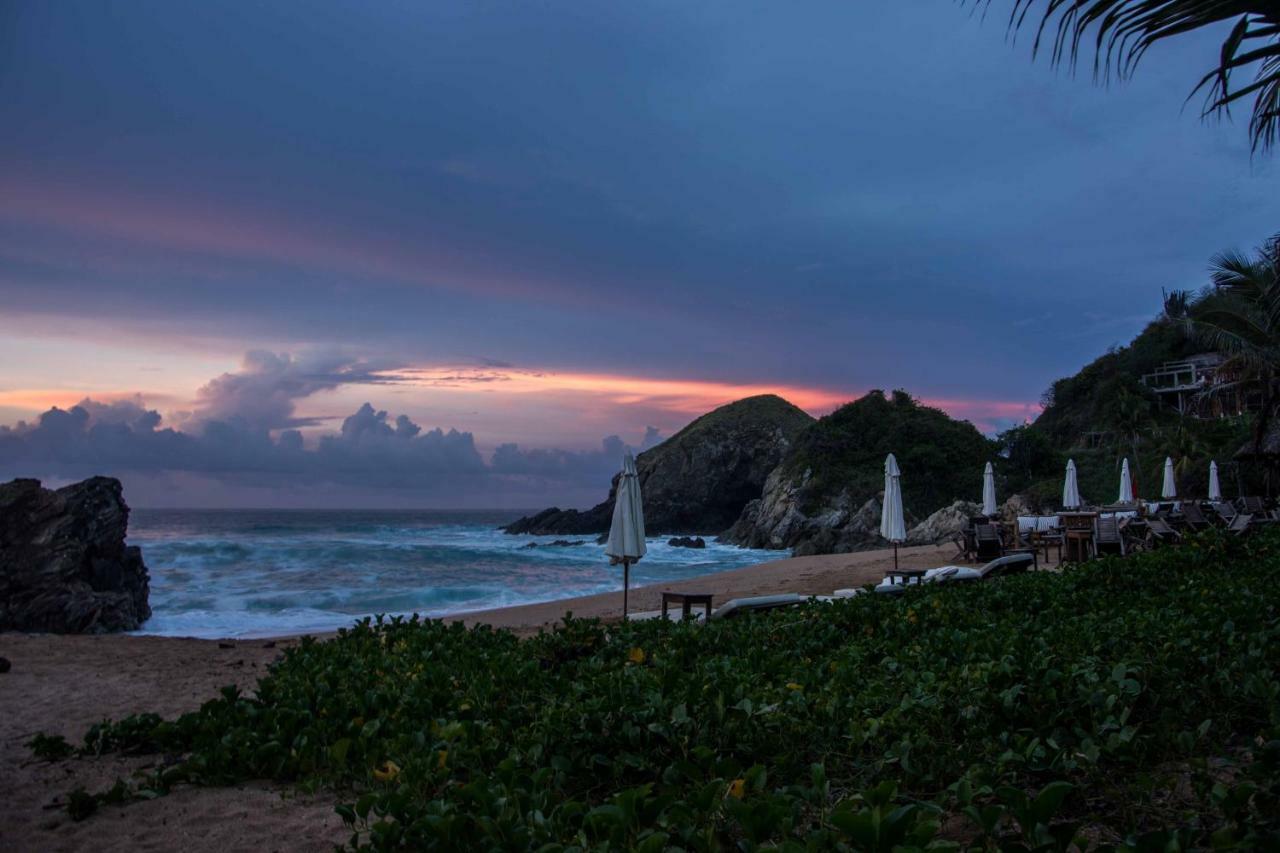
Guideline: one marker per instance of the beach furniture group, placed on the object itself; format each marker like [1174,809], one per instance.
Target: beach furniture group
[1077,533]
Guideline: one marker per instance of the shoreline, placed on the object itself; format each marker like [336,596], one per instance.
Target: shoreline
[817,575]
[115,675]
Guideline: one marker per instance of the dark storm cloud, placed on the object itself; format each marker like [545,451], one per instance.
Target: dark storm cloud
[373,450]
[856,195]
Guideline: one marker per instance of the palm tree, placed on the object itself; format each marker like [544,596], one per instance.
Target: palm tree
[1238,316]
[1131,419]
[1120,31]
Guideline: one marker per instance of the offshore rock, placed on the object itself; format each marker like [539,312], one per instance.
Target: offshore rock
[64,567]
[699,480]
[687,542]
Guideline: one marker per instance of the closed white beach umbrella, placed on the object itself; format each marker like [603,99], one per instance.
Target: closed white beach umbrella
[989,490]
[626,533]
[893,525]
[1169,489]
[1215,489]
[1070,491]
[1126,484]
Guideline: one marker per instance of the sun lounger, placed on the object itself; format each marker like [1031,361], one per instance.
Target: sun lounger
[1193,517]
[1159,531]
[1006,565]
[739,606]
[1253,505]
[1240,524]
[1225,510]
[734,607]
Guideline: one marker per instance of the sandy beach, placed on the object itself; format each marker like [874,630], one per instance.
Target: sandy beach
[63,684]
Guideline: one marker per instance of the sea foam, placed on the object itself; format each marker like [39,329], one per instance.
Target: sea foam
[257,573]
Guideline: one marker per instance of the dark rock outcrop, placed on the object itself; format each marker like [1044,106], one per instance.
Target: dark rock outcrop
[824,498]
[64,567]
[687,542]
[698,480]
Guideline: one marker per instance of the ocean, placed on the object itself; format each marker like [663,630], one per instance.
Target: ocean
[249,573]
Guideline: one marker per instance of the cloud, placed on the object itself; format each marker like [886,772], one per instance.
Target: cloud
[652,438]
[373,452]
[262,396]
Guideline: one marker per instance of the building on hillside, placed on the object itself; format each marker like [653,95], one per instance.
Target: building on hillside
[1201,386]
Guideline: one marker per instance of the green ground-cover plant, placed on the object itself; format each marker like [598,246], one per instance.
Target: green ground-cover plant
[1132,703]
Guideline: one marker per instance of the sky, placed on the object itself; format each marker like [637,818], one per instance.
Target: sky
[443,253]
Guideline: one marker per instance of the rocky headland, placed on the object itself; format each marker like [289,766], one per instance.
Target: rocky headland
[698,480]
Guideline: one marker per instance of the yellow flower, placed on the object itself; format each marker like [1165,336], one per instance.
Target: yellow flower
[791,685]
[737,788]
[911,617]
[387,772]
[442,758]
[636,655]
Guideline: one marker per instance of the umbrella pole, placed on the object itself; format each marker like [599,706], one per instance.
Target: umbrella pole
[895,556]
[626,585]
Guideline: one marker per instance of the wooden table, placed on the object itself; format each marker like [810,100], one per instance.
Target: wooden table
[905,575]
[686,600]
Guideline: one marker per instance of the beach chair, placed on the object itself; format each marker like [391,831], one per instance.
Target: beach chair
[1107,537]
[1253,505]
[1225,511]
[756,604]
[1159,531]
[1010,564]
[1043,540]
[1193,517]
[1240,524]
[966,545]
[988,544]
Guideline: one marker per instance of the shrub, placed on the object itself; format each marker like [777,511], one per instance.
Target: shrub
[1131,702]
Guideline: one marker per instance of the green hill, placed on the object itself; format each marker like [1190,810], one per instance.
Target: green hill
[941,458]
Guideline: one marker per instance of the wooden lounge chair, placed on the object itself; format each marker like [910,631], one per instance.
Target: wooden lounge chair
[1194,518]
[1159,532]
[988,543]
[1107,537]
[1253,505]
[1240,524]
[1225,511]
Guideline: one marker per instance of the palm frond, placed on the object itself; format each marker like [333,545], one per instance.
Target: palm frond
[1120,32]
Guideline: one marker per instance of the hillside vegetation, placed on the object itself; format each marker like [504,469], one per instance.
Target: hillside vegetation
[941,458]
[1124,702]
[1107,398]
